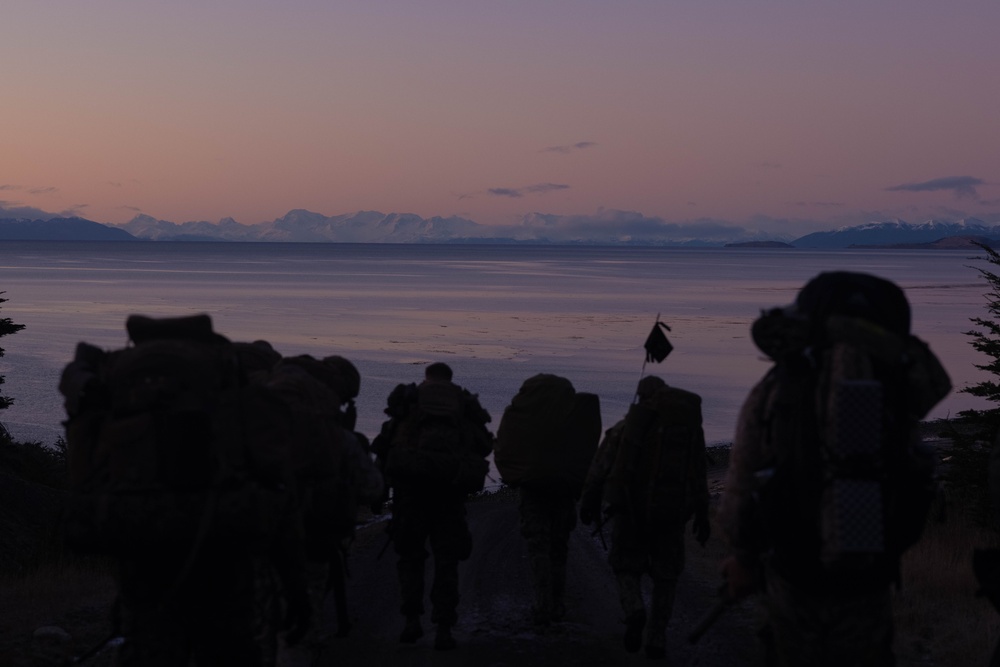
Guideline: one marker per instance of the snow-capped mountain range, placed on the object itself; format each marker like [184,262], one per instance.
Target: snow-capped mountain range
[607,228]
[892,232]
[303,226]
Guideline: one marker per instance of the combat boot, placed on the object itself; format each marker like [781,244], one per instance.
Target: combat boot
[412,631]
[541,574]
[659,616]
[444,640]
[558,593]
[558,611]
[634,608]
[654,652]
[634,625]
[541,617]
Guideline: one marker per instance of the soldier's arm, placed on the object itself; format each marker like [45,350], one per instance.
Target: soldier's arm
[747,456]
[479,417]
[365,479]
[600,469]
[380,445]
[699,470]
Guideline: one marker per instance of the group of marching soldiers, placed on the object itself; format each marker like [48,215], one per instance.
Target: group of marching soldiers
[214,597]
[218,605]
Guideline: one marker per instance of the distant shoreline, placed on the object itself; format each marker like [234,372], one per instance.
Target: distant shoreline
[300,226]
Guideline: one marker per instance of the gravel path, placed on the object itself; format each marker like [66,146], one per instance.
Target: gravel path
[494,627]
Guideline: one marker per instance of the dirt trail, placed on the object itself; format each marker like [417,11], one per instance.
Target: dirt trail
[494,627]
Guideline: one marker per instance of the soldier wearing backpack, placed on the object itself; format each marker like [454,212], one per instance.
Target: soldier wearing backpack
[545,442]
[363,481]
[650,474]
[432,451]
[178,474]
[828,482]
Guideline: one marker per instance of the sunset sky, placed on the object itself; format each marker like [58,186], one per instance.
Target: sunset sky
[775,114]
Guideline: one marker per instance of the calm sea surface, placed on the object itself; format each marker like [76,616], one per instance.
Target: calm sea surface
[496,314]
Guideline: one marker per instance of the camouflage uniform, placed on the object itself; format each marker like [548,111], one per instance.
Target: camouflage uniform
[548,516]
[811,623]
[648,537]
[419,518]
[429,513]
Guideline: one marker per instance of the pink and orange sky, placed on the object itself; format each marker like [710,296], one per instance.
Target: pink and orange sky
[786,115]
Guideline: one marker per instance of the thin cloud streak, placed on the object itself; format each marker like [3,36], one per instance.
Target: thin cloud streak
[564,150]
[505,192]
[961,186]
[537,189]
[819,204]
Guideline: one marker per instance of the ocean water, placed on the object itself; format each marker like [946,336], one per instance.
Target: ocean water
[496,314]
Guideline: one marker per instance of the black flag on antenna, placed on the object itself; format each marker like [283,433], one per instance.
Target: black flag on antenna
[657,346]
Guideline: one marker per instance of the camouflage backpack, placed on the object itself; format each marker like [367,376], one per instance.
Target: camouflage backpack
[548,435]
[168,447]
[315,450]
[851,485]
[440,442]
[662,439]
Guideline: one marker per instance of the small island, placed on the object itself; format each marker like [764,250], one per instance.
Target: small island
[759,244]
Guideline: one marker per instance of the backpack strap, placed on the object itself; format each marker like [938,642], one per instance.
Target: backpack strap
[788,500]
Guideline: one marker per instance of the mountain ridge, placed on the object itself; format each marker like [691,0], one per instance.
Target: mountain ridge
[615,228]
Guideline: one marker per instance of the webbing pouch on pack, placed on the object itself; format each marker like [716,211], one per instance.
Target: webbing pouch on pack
[852,507]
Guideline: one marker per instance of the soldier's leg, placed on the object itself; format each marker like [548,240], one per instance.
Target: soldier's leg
[536,528]
[409,536]
[451,543]
[153,631]
[666,565]
[224,620]
[843,628]
[862,630]
[564,521]
[628,561]
[267,612]
[337,583]
[410,569]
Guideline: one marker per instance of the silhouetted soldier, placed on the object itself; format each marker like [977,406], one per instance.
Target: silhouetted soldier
[545,442]
[432,452]
[828,483]
[650,471]
[178,474]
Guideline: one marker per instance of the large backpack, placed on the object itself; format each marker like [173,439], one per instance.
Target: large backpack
[439,444]
[851,485]
[315,450]
[548,435]
[168,447]
[662,442]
